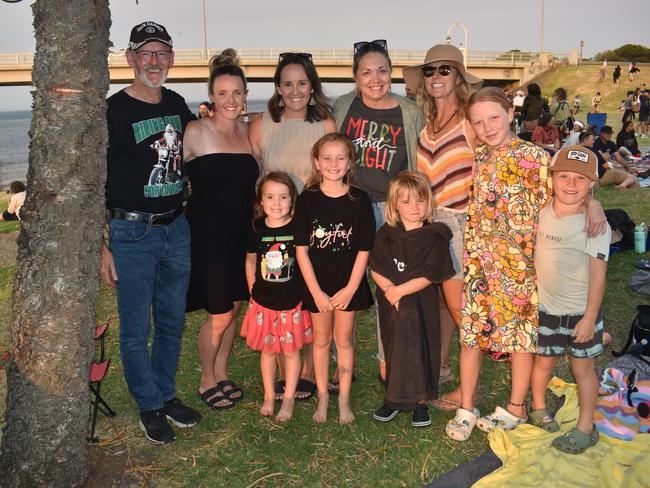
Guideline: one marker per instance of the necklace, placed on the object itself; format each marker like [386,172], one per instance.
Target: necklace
[443,125]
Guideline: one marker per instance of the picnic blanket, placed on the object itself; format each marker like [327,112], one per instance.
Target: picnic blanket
[530,461]
[615,416]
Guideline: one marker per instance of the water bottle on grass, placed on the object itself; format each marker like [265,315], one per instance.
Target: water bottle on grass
[640,238]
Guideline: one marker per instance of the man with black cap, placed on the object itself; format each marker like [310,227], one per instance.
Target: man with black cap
[146,255]
[608,148]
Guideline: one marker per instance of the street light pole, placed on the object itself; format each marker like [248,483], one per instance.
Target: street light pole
[582,44]
[541,38]
[458,23]
[205,32]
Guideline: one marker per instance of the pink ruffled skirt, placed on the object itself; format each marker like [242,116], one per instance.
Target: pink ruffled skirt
[276,331]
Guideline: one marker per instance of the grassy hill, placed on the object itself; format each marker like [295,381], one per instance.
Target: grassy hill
[583,81]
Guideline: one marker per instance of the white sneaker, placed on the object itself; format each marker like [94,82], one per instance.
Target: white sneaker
[499,419]
[461,426]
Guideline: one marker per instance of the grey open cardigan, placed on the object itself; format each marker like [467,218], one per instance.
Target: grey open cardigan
[411,114]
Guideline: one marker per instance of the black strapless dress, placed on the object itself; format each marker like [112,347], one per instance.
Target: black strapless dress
[219,212]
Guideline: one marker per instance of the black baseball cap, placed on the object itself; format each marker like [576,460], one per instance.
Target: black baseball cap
[147,32]
[607,129]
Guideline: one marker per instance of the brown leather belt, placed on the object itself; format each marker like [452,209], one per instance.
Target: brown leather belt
[144,217]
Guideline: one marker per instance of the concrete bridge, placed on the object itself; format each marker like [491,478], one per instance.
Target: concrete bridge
[333,65]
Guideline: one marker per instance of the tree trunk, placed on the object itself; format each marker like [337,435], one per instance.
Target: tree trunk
[56,278]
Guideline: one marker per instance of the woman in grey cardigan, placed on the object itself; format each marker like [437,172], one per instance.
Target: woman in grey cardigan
[383,127]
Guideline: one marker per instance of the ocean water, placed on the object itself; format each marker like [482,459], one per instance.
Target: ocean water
[14,141]
[14,146]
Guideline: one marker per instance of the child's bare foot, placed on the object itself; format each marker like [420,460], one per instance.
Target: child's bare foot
[286,410]
[345,413]
[320,415]
[267,407]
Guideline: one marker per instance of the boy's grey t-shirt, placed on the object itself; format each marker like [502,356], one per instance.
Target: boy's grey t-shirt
[562,251]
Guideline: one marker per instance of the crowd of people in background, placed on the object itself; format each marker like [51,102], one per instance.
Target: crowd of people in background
[439,195]
[553,124]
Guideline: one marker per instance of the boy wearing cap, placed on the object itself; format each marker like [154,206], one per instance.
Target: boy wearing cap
[147,253]
[571,270]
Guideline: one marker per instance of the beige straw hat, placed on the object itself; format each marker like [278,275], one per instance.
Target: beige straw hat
[440,52]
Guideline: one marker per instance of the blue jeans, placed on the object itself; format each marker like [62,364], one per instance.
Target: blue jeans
[378,210]
[153,271]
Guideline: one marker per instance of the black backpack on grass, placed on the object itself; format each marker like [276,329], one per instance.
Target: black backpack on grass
[618,219]
[638,342]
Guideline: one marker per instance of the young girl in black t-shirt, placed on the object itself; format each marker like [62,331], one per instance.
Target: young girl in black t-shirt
[335,230]
[275,322]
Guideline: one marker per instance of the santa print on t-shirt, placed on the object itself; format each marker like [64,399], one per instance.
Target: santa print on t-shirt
[277,262]
[168,167]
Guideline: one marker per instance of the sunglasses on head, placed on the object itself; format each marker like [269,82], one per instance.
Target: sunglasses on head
[364,45]
[305,56]
[443,70]
[631,386]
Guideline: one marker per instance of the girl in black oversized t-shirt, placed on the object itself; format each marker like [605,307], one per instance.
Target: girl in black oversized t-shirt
[335,229]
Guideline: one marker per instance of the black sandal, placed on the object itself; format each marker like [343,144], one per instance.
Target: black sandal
[333,387]
[308,388]
[232,391]
[216,395]
[279,390]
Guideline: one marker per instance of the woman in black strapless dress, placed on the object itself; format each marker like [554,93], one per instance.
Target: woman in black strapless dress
[222,174]
[219,213]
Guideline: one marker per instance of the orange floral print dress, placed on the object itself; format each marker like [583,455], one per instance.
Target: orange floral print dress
[499,305]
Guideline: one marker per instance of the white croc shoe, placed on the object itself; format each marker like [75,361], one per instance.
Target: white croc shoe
[460,427]
[499,419]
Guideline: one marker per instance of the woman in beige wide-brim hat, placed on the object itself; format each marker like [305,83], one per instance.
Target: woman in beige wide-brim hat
[446,157]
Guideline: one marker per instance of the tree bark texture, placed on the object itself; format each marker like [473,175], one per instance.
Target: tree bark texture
[56,278]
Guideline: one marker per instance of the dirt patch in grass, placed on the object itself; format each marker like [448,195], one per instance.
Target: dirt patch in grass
[8,248]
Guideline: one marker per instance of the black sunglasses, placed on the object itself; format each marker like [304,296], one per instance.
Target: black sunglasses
[443,69]
[364,45]
[631,386]
[305,56]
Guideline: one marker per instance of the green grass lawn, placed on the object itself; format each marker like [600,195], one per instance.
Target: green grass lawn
[240,448]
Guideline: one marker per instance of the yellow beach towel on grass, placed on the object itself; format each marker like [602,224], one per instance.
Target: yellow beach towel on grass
[530,461]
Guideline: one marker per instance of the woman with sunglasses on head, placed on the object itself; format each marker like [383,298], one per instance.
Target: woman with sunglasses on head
[383,127]
[446,157]
[298,115]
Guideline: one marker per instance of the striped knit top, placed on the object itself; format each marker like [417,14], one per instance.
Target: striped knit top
[447,162]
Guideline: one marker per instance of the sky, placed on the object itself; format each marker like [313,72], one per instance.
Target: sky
[494,25]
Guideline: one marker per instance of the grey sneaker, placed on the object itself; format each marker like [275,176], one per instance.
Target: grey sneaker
[155,426]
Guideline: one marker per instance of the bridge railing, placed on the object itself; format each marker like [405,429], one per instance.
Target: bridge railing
[399,57]
[16,60]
